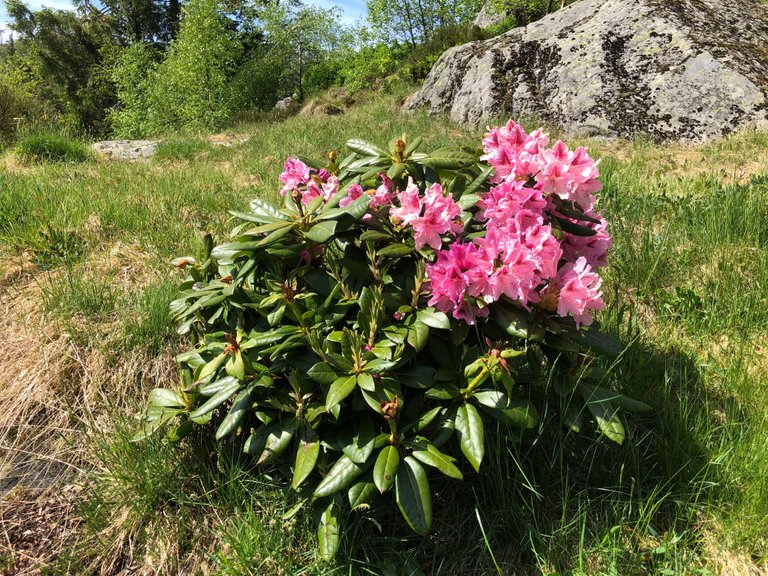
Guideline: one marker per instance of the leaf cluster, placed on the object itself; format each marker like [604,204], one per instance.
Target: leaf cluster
[315,348]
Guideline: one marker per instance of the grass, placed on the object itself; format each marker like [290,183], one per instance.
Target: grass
[86,251]
[49,147]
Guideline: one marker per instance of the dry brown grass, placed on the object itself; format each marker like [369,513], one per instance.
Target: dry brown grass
[53,391]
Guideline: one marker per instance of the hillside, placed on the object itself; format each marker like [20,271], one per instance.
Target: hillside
[85,281]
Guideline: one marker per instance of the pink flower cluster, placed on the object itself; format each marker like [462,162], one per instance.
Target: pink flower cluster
[525,255]
[298,178]
[521,257]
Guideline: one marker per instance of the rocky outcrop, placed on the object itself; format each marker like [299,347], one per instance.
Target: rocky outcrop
[682,69]
[489,15]
[130,150]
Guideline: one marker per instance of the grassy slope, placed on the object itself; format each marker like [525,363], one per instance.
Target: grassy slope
[85,280]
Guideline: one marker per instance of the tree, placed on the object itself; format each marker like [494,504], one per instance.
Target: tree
[415,21]
[299,36]
[191,87]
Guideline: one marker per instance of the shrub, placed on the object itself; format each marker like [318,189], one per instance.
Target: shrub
[48,147]
[134,76]
[393,307]
[18,106]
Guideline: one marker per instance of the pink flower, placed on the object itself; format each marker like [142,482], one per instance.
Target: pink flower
[295,173]
[354,192]
[504,201]
[594,249]
[579,292]
[451,276]
[384,194]
[410,204]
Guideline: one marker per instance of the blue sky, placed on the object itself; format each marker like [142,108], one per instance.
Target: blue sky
[350,10]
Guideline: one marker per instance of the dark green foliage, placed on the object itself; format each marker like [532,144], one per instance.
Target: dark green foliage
[313,337]
[49,147]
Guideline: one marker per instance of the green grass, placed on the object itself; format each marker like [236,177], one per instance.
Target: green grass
[686,290]
[182,150]
[49,147]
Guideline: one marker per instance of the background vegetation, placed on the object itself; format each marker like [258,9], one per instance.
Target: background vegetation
[144,68]
[85,282]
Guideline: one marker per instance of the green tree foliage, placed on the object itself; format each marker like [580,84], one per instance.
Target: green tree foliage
[191,86]
[299,37]
[415,21]
[64,55]
[134,75]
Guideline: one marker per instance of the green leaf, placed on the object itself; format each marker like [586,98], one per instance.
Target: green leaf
[413,496]
[216,400]
[385,469]
[373,235]
[165,398]
[328,532]
[236,414]
[323,374]
[396,170]
[339,390]
[213,387]
[361,446]
[433,457]
[278,439]
[360,494]
[623,402]
[519,413]
[306,456]
[395,250]
[365,148]
[479,181]
[434,319]
[418,333]
[575,229]
[274,237]
[321,231]
[469,426]
[516,322]
[605,413]
[265,210]
[448,159]
[150,426]
[413,145]
[343,472]
[591,337]
[355,210]
[211,367]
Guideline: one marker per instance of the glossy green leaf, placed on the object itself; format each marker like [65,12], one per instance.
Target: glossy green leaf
[165,398]
[306,456]
[360,448]
[328,534]
[323,374]
[339,390]
[278,439]
[217,399]
[365,148]
[341,475]
[413,495]
[605,413]
[360,494]
[418,333]
[236,414]
[354,210]
[433,457]
[395,250]
[519,413]
[469,426]
[434,319]
[321,231]
[385,468]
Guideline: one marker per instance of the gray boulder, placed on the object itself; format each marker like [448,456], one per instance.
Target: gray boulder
[130,150]
[489,15]
[671,69]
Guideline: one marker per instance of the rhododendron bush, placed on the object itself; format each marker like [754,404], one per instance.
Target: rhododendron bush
[366,333]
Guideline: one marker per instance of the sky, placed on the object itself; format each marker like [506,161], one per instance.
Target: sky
[350,10]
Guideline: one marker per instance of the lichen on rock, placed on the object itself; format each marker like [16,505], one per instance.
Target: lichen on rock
[669,69]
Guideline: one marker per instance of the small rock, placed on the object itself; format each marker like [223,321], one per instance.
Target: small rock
[129,150]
